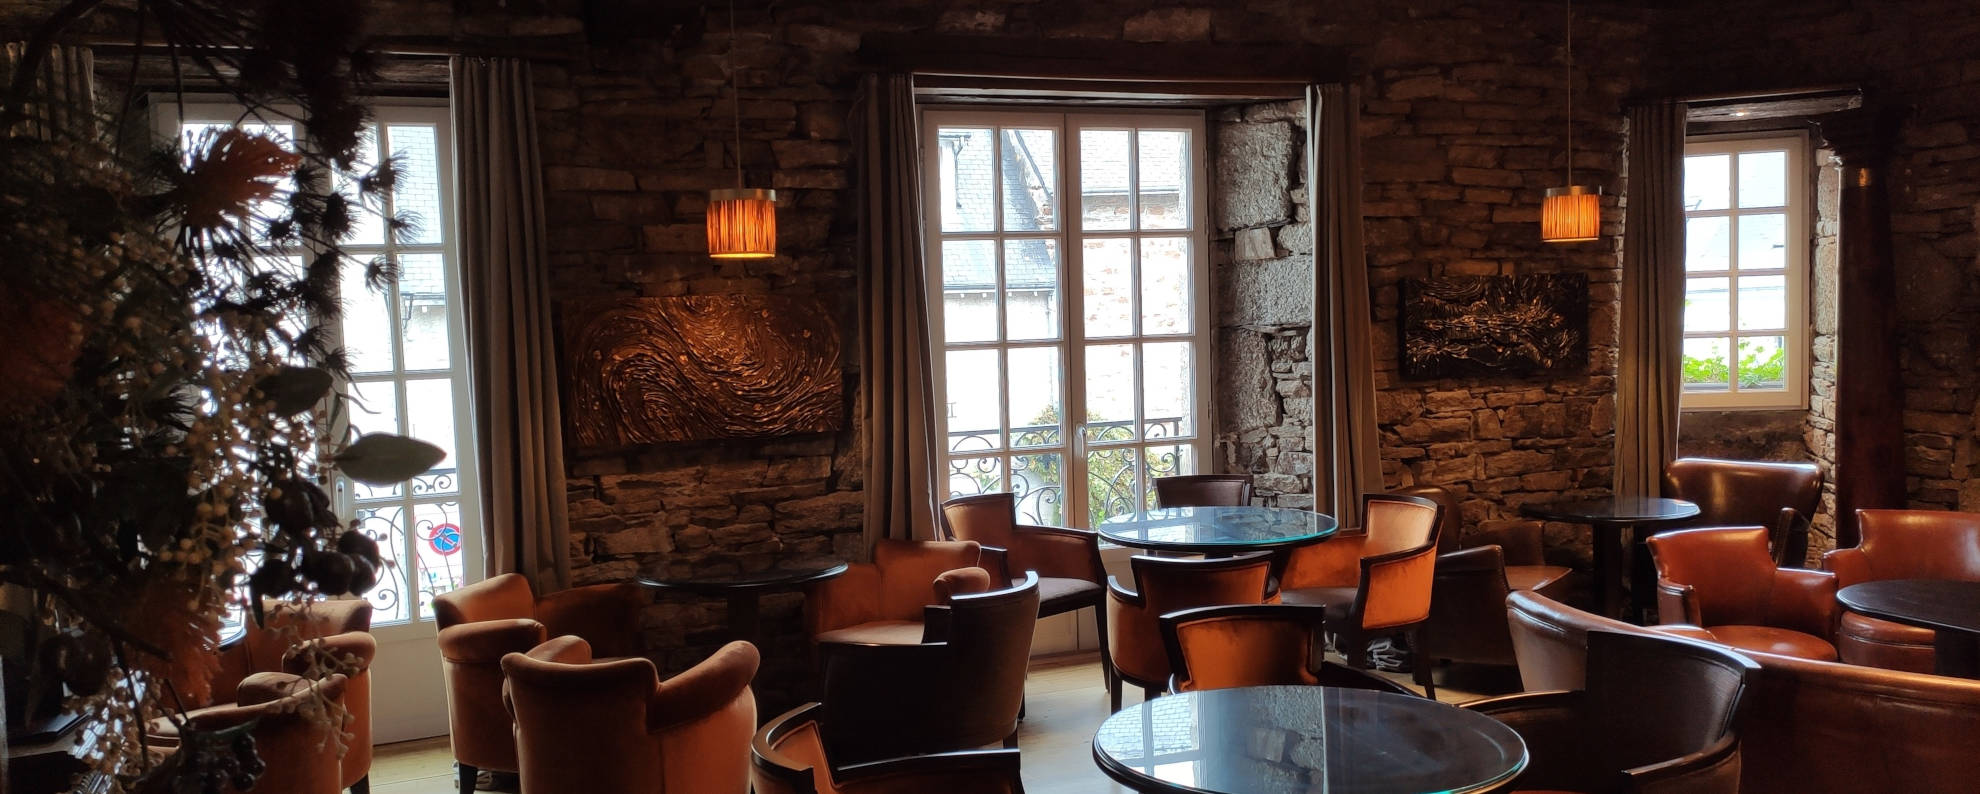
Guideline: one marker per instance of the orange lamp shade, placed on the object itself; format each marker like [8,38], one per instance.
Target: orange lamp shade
[742,224]
[1571,214]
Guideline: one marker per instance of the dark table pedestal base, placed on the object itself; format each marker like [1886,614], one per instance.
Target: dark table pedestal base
[1956,654]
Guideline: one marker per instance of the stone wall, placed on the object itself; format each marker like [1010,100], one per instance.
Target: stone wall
[1820,428]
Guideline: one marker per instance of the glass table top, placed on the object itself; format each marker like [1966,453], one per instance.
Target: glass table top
[1266,740]
[1212,529]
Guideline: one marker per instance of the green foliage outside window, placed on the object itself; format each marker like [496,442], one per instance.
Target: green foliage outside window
[1759,365]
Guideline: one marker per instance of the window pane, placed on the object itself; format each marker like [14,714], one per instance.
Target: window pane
[1762,241]
[423,310]
[367,223]
[1111,485]
[373,407]
[968,190]
[1166,461]
[1031,289]
[430,418]
[1109,266]
[972,476]
[1763,303]
[1707,244]
[1706,364]
[1762,363]
[1763,179]
[969,291]
[1039,483]
[1167,377]
[437,539]
[1706,305]
[1104,179]
[974,409]
[1036,418]
[1707,182]
[1031,179]
[387,525]
[1164,180]
[418,190]
[366,322]
[1110,392]
[1165,294]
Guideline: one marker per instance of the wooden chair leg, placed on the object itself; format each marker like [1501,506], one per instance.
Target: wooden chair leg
[1114,694]
[1150,693]
[1422,666]
[362,786]
[1010,742]
[468,774]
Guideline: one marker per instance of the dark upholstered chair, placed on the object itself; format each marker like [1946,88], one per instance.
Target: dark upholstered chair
[1751,493]
[585,725]
[1474,574]
[1373,582]
[485,621]
[1901,544]
[1810,726]
[1070,575]
[1658,714]
[1203,490]
[788,757]
[1257,645]
[883,601]
[961,687]
[1163,585]
[1724,581]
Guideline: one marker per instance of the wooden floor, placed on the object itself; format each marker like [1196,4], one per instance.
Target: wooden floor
[1065,704]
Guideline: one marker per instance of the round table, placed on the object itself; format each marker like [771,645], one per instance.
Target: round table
[745,590]
[1218,531]
[1271,739]
[1610,519]
[1951,609]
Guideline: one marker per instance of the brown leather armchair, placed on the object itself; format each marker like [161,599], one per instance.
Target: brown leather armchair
[1751,493]
[1724,581]
[1474,574]
[1374,582]
[1203,490]
[1901,544]
[881,602]
[1163,585]
[584,725]
[1658,714]
[961,686]
[1257,645]
[487,620]
[788,757]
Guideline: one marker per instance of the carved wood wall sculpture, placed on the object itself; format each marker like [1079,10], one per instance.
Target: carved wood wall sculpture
[1494,325]
[651,370]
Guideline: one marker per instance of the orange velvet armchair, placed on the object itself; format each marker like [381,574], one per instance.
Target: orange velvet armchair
[1070,576]
[1724,581]
[1901,544]
[881,602]
[1373,582]
[788,757]
[1163,585]
[583,725]
[1257,645]
[487,620]
[290,735]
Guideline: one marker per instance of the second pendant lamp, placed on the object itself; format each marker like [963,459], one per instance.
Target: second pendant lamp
[742,222]
[1573,213]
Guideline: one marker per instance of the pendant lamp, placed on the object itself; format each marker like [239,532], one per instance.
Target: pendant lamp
[1571,214]
[742,222]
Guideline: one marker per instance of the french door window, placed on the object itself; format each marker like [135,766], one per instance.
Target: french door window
[1067,259]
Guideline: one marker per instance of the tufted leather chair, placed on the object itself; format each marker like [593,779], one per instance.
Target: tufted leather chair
[1257,645]
[1474,574]
[1724,581]
[1163,585]
[1657,714]
[1373,582]
[881,602]
[1742,493]
[297,748]
[584,725]
[788,757]
[960,686]
[1901,544]
[1203,490]
[485,621]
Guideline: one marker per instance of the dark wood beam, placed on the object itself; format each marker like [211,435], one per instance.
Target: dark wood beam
[1800,103]
[1098,59]
[1019,90]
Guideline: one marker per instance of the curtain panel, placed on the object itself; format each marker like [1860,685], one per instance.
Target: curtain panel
[64,92]
[896,380]
[511,350]
[1647,363]
[1347,448]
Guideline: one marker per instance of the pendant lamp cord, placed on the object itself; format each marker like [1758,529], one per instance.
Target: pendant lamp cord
[735,92]
[1570,92]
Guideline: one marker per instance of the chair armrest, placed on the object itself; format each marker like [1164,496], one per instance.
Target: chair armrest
[1059,552]
[1334,562]
[1473,561]
[848,599]
[1851,566]
[1557,745]
[1788,538]
[1715,768]
[997,561]
[1395,587]
[1686,630]
[349,653]
[1677,602]
[605,615]
[1522,543]
[968,770]
[704,689]
[1122,594]
[487,641]
[1805,600]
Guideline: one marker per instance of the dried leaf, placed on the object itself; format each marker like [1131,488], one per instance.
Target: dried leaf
[384,459]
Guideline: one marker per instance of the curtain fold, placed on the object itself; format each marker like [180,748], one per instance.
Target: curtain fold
[896,380]
[1647,361]
[1347,447]
[65,92]
[512,355]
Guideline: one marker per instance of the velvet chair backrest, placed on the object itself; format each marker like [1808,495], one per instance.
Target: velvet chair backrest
[504,597]
[1398,561]
[1396,523]
[1219,647]
[299,750]
[1167,584]
[1920,544]
[989,519]
[1203,490]
[1657,698]
[1729,569]
[908,570]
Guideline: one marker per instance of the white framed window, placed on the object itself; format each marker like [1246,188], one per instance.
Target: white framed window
[407,348]
[1068,272]
[1746,268]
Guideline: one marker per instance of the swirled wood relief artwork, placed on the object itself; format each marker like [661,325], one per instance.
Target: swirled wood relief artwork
[653,370]
[1494,325]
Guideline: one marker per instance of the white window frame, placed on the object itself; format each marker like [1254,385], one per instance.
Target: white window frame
[1799,263]
[1071,339]
[168,115]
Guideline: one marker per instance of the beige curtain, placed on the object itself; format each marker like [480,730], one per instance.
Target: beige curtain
[512,358]
[895,376]
[1348,451]
[1647,366]
[64,92]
